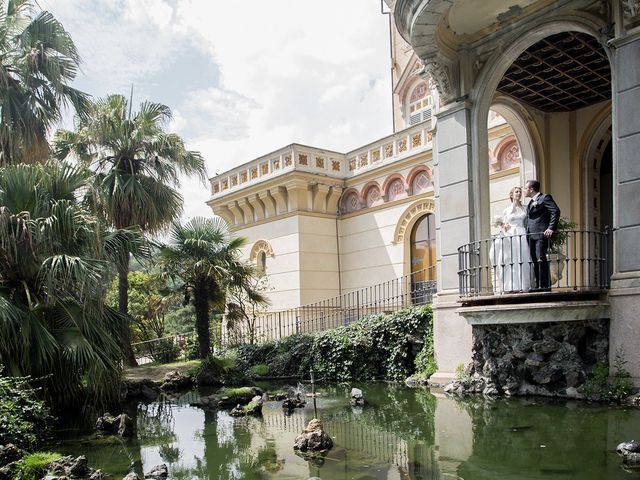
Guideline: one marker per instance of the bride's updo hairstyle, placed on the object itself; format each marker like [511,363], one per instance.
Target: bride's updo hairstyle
[517,187]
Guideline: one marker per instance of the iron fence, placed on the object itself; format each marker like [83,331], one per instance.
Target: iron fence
[173,348]
[579,260]
[409,290]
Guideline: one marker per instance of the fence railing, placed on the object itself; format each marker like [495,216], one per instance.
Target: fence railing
[503,264]
[414,289]
[173,348]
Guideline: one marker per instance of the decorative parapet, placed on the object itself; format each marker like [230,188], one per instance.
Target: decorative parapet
[301,158]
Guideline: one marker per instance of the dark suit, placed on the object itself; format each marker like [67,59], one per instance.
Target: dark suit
[542,214]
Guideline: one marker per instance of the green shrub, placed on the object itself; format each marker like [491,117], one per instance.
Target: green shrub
[615,387]
[32,467]
[425,360]
[24,419]
[164,350]
[375,347]
[260,370]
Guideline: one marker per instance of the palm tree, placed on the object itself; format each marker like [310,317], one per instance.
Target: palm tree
[38,61]
[207,260]
[55,266]
[137,167]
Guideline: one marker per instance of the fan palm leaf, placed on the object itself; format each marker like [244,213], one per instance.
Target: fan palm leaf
[38,61]
[55,265]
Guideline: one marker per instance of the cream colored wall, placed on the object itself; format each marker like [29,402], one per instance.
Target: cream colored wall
[318,259]
[283,269]
[368,254]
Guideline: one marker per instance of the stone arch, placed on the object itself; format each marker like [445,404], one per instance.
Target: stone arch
[410,216]
[369,191]
[261,246]
[502,147]
[390,180]
[590,153]
[415,172]
[347,197]
[526,132]
[481,97]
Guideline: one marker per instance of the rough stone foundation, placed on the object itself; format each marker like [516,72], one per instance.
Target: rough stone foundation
[551,359]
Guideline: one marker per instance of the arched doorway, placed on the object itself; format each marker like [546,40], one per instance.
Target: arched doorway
[422,248]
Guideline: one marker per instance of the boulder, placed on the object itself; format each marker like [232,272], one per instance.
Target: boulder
[313,438]
[131,476]
[209,374]
[546,345]
[159,472]
[230,397]
[121,424]
[145,390]
[295,402]
[98,475]
[174,381]
[254,407]
[357,398]
[7,472]
[630,453]
[10,453]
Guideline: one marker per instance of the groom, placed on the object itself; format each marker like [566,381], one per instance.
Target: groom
[542,220]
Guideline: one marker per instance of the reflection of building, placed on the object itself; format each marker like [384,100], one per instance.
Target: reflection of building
[486,94]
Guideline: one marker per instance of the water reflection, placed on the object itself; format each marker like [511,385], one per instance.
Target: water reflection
[400,434]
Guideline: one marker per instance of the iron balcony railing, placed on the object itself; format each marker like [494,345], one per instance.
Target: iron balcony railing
[413,289]
[578,260]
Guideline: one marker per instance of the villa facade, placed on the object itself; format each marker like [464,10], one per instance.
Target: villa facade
[485,97]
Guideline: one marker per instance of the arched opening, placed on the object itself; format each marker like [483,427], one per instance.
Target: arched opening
[560,76]
[262,262]
[422,247]
[558,71]
[419,104]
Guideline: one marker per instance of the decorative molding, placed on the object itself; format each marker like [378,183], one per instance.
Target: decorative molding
[417,209]
[631,12]
[259,247]
[441,73]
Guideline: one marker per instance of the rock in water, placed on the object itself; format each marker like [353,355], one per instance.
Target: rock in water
[131,476]
[630,453]
[314,438]
[175,381]
[121,424]
[357,399]
[159,472]
[98,475]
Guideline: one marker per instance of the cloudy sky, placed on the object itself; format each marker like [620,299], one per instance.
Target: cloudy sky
[242,78]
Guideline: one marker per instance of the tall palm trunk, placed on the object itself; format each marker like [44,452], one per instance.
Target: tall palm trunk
[201,303]
[123,308]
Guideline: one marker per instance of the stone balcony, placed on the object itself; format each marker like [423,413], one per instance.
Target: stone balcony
[299,177]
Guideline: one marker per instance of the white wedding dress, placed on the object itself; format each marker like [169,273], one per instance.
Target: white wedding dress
[510,253]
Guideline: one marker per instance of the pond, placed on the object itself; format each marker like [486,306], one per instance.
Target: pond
[401,433]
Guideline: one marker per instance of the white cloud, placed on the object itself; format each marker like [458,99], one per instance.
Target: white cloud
[289,70]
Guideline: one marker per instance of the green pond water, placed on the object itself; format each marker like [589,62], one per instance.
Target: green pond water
[401,433]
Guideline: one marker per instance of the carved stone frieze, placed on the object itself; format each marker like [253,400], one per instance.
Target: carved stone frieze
[441,73]
[631,12]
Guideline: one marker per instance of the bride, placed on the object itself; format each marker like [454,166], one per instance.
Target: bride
[510,249]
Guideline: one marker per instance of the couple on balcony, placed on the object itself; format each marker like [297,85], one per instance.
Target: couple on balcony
[523,241]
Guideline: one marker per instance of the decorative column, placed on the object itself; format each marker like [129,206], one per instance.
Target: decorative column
[454,228]
[624,296]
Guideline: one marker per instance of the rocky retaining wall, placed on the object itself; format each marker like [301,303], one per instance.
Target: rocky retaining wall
[551,359]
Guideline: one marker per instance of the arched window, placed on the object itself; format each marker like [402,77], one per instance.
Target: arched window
[421,183]
[351,203]
[373,196]
[423,248]
[419,104]
[262,262]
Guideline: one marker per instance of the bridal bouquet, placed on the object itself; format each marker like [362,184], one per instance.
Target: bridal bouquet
[498,222]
